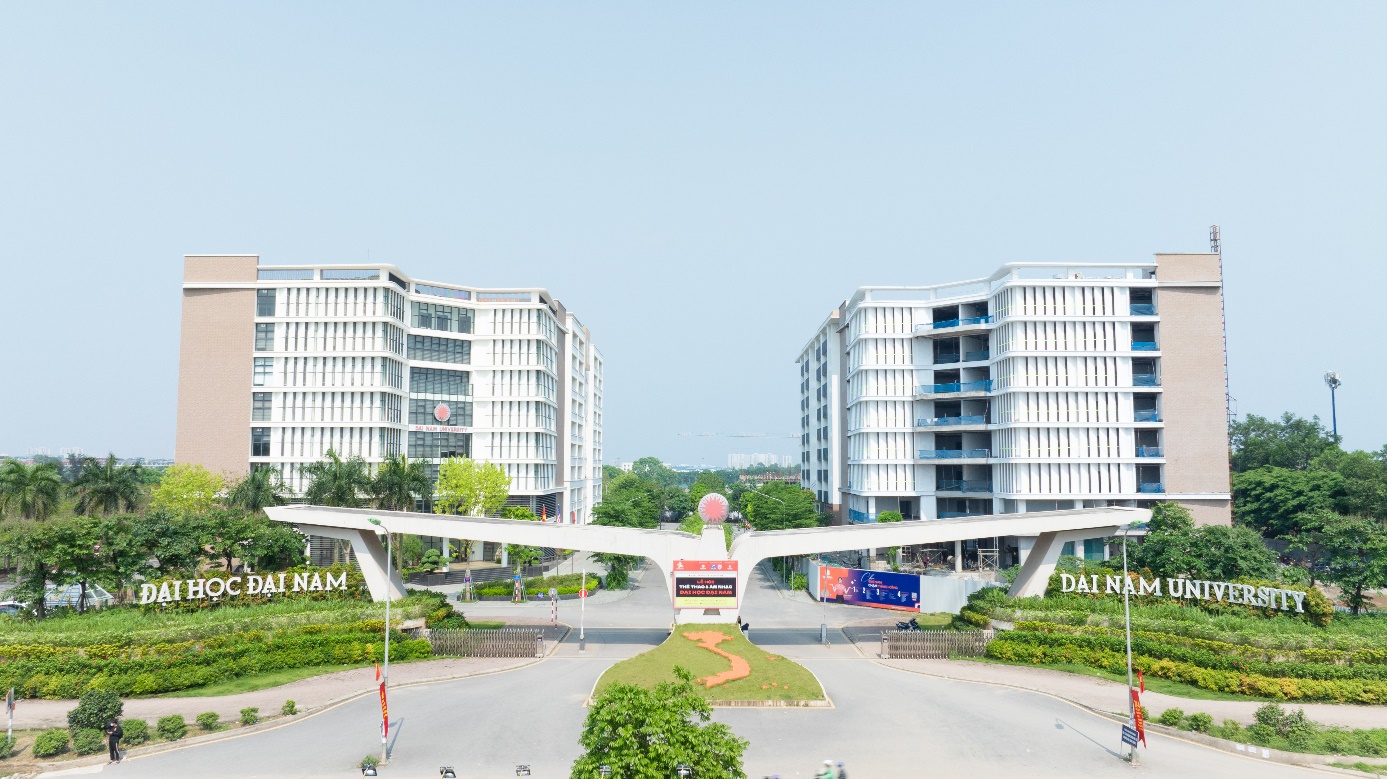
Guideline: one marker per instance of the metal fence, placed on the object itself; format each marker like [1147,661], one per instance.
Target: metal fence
[504,642]
[934,644]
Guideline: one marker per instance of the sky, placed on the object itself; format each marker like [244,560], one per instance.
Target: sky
[701,183]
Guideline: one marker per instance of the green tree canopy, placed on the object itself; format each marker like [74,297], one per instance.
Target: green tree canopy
[333,481]
[1353,550]
[706,482]
[29,491]
[629,501]
[1290,442]
[105,487]
[1364,491]
[187,488]
[1270,498]
[399,483]
[890,516]
[470,488]
[260,488]
[1175,547]
[645,734]
[780,506]
[654,471]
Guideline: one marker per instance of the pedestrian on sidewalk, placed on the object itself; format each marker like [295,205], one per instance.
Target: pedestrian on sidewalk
[114,733]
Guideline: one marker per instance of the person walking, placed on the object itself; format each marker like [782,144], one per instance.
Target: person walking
[114,733]
[842,772]
[827,772]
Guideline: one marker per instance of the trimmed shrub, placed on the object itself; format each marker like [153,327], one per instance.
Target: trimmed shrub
[6,748]
[289,709]
[1261,734]
[1172,718]
[94,710]
[136,731]
[209,720]
[369,761]
[88,742]
[1200,722]
[250,715]
[50,743]
[172,727]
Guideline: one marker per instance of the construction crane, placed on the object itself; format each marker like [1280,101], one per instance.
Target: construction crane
[736,435]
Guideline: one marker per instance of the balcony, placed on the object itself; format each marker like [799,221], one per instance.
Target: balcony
[950,421]
[954,454]
[1144,346]
[967,386]
[1150,487]
[963,485]
[1150,451]
[1146,415]
[859,517]
[941,359]
[962,514]
[1145,380]
[976,356]
[948,323]
[1143,309]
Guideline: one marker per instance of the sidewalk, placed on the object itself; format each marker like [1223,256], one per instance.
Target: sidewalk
[307,694]
[1103,695]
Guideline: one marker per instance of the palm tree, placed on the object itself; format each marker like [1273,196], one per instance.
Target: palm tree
[262,487]
[31,492]
[333,481]
[108,488]
[398,482]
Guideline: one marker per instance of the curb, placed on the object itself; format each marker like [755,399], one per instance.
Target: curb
[1297,759]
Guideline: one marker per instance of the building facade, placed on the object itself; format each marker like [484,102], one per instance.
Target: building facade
[279,364]
[1041,387]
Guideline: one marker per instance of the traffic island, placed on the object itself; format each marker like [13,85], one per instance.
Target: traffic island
[728,670]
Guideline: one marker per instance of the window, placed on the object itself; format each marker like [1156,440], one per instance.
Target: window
[436,316]
[422,412]
[427,446]
[265,337]
[260,407]
[1093,549]
[432,349]
[1068,549]
[264,302]
[259,442]
[435,381]
[264,366]
[344,274]
[295,274]
[442,292]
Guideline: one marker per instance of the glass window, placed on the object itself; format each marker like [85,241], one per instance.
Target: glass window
[343,274]
[1093,549]
[259,442]
[295,274]
[428,446]
[264,337]
[1068,549]
[433,349]
[425,411]
[260,407]
[264,366]
[436,316]
[264,302]
[436,381]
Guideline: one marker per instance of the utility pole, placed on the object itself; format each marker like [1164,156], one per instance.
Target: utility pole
[1333,381]
[385,676]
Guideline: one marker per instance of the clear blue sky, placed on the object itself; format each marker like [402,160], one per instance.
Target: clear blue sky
[699,182]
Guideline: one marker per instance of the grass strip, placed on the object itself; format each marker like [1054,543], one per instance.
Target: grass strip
[1154,684]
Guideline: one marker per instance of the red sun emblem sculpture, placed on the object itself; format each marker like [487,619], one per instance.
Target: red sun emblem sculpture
[441,412]
[713,508]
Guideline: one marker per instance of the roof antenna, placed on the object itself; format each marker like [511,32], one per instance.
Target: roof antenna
[1214,243]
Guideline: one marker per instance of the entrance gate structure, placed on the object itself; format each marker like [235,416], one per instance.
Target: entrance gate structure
[1051,530]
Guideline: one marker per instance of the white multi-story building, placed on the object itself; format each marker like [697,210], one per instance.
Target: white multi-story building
[279,364]
[1040,387]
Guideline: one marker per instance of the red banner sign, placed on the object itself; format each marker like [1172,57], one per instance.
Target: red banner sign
[1139,720]
[384,715]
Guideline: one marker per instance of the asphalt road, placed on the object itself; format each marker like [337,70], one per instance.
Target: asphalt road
[886,723]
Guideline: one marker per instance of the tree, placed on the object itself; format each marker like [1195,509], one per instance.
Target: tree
[176,543]
[1269,499]
[260,488]
[274,545]
[780,506]
[645,734]
[1353,550]
[70,548]
[227,533]
[104,487]
[706,482]
[187,488]
[629,501]
[516,553]
[1364,491]
[333,481]
[470,488]
[1174,547]
[397,485]
[123,557]
[29,491]
[652,470]
[1291,442]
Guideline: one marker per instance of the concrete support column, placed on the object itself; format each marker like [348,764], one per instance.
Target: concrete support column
[958,557]
[1035,573]
[370,555]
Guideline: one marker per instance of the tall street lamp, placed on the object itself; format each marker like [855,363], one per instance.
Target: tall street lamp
[385,676]
[1127,620]
[1333,381]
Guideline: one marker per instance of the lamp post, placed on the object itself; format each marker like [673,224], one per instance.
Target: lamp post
[1127,621]
[1332,380]
[385,675]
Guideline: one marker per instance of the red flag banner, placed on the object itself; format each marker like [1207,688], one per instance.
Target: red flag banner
[384,715]
[1142,681]
[1140,721]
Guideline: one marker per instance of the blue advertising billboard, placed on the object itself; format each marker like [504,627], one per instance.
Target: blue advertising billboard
[881,589]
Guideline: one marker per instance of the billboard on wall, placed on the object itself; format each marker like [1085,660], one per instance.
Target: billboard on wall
[705,584]
[882,589]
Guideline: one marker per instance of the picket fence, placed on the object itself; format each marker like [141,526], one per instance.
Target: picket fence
[934,644]
[503,642]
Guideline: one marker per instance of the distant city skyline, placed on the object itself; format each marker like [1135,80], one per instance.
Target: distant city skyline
[739,461]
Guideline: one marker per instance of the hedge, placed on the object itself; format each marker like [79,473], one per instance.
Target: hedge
[355,590]
[566,584]
[1318,609]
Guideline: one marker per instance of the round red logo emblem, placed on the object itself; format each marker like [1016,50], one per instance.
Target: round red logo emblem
[441,412]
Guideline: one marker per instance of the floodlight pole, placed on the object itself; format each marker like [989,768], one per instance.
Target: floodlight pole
[1127,620]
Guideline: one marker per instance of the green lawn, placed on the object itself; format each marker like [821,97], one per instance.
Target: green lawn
[934,621]
[772,677]
[1163,686]
[1367,768]
[269,679]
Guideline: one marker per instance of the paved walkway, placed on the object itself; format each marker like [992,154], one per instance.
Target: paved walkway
[307,694]
[1104,695]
